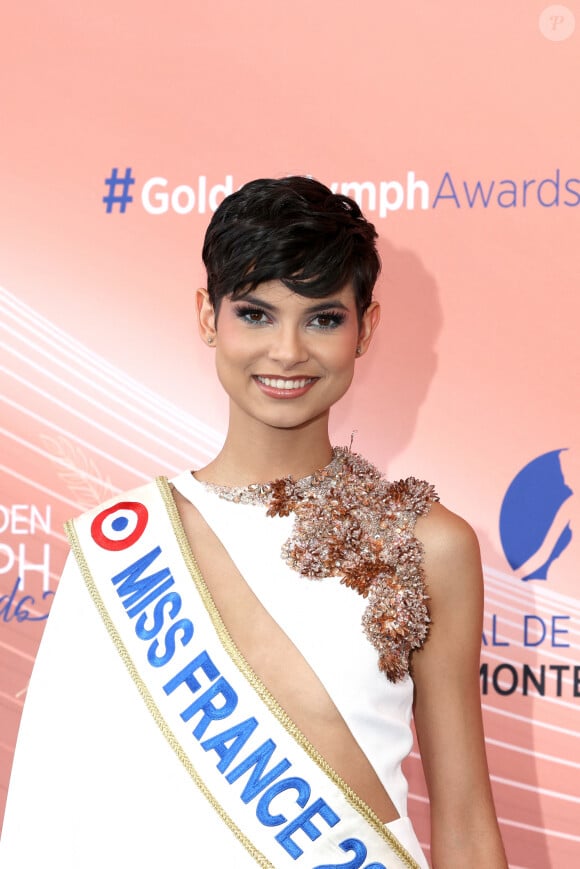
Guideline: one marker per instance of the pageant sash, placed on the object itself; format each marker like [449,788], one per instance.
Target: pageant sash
[278,796]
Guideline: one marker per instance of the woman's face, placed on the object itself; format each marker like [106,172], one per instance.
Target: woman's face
[285,359]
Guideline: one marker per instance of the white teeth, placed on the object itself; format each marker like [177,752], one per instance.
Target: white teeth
[285,384]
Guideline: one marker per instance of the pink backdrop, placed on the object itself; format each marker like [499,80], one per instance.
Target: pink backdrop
[457,127]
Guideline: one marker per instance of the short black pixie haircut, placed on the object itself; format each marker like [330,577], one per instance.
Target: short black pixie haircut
[294,230]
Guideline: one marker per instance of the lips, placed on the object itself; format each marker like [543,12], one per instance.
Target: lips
[284,387]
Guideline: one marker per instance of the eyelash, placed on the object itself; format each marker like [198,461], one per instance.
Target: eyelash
[245,312]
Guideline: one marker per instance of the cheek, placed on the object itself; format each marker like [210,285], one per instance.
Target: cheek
[234,355]
[341,356]
[229,372]
[233,344]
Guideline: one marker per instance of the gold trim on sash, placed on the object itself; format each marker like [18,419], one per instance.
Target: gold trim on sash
[70,531]
[269,700]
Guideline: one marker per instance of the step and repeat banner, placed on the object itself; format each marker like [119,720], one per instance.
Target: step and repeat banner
[456,128]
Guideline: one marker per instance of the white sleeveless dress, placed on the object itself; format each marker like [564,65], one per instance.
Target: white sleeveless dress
[323,620]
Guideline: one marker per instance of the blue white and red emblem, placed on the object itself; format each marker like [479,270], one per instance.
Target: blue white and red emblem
[120,526]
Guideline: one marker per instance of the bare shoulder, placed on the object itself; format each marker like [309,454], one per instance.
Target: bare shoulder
[452,557]
[446,668]
[445,533]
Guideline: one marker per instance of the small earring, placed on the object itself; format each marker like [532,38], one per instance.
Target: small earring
[210,339]
[358,351]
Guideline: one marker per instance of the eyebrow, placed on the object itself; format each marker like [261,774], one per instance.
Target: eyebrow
[327,305]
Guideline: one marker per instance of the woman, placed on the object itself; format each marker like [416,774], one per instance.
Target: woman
[325,603]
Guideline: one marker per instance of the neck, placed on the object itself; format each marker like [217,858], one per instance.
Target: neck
[264,454]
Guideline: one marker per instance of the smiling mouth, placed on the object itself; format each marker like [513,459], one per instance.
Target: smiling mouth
[279,383]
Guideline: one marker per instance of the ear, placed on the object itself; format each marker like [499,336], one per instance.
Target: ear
[370,321]
[205,316]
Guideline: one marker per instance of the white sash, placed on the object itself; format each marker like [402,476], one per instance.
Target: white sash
[274,791]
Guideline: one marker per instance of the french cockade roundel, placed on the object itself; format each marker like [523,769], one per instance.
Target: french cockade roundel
[119,526]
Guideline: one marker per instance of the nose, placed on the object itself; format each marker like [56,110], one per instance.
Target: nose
[288,347]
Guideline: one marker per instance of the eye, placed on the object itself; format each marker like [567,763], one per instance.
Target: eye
[252,315]
[327,320]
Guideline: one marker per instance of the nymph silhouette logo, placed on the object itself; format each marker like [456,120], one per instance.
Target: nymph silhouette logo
[530,640]
[534,526]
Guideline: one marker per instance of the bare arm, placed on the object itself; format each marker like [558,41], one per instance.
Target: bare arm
[464,830]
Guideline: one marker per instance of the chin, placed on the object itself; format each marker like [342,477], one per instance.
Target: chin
[290,421]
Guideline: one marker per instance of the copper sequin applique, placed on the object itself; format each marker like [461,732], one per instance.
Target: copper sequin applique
[352,523]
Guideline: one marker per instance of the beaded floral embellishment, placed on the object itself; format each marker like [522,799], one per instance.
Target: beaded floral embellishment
[352,523]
